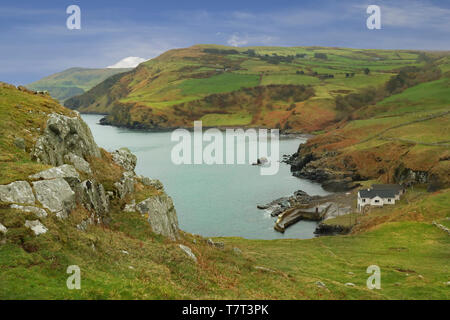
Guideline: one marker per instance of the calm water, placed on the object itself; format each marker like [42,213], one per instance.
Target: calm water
[212,200]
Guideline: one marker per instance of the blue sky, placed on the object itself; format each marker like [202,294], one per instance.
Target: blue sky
[35,41]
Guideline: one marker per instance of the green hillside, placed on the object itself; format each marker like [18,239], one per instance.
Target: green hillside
[124,259]
[182,81]
[71,82]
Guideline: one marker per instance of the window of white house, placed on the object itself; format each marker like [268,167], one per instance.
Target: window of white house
[376,201]
[364,200]
[389,200]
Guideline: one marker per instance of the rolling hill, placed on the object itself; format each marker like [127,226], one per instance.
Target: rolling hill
[227,86]
[74,81]
[123,258]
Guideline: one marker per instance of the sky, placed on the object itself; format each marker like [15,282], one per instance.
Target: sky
[35,41]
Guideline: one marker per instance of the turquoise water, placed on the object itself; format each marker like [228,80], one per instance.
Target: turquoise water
[212,200]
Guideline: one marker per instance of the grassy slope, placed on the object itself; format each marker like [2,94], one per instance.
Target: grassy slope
[71,82]
[412,254]
[376,148]
[184,75]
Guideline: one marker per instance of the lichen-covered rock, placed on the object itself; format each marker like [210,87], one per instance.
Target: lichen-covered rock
[161,215]
[66,172]
[124,158]
[3,229]
[36,226]
[131,207]
[55,195]
[64,135]
[17,192]
[79,163]
[151,182]
[189,252]
[94,198]
[125,185]
[39,212]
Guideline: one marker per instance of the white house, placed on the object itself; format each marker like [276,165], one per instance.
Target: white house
[379,195]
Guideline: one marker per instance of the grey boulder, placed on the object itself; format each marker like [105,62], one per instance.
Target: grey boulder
[39,212]
[36,226]
[3,229]
[124,158]
[79,163]
[93,197]
[17,192]
[64,135]
[55,195]
[67,172]
[188,251]
[125,185]
[161,215]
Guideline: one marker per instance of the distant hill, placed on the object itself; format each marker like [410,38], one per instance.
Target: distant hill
[376,113]
[73,81]
[253,86]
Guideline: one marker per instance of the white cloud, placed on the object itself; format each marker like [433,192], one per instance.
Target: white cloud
[130,62]
[237,41]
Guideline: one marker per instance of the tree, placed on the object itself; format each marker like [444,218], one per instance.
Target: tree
[366,71]
[319,55]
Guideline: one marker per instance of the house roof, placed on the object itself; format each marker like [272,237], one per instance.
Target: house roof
[371,193]
[395,187]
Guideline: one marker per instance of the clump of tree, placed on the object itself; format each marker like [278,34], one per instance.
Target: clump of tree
[349,74]
[320,55]
[411,76]
[366,71]
[220,51]
[300,72]
[300,55]
[406,78]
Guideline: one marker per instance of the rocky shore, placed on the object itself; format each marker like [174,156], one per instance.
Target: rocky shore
[301,206]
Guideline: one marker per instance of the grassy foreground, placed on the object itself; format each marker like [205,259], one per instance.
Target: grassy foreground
[127,261]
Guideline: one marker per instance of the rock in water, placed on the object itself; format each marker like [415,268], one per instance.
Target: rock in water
[124,158]
[161,215]
[17,192]
[189,252]
[64,135]
[55,195]
[36,226]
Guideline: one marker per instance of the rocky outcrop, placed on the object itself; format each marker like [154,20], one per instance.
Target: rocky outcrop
[62,136]
[3,229]
[125,185]
[161,215]
[305,164]
[66,172]
[36,226]
[93,197]
[189,252]
[56,195]
[330,229]
[17,192]
[39,212]
[124,158]
[276,207]
[79,163]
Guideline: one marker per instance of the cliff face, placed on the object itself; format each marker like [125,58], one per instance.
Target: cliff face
[84,180]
